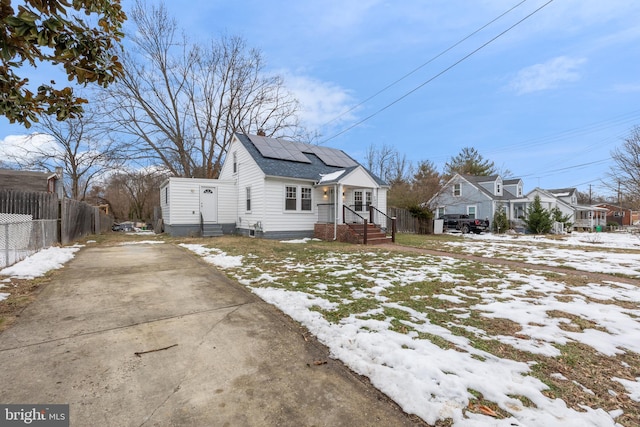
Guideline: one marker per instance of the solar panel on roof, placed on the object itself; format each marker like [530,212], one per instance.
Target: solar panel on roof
[276,149]
[286,150]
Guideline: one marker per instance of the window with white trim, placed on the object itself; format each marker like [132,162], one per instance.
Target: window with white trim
[248,199]
[457,190]
[235,162]
[471,211]
[357,200]
[298,198]
[441,211]
[305,198]
[291,198]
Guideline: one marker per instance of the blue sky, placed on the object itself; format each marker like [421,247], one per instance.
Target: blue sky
[548,100]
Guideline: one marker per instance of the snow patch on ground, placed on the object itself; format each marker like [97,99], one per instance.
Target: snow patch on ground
[434,382]
[39,263]
[215,256]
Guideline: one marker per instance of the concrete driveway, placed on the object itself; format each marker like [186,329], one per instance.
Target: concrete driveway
[150,335]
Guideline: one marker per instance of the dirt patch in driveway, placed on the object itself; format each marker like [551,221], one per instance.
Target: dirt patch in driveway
[21,293]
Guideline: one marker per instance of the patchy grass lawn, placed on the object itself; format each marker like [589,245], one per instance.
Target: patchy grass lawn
[570,337]
[450,339]
[607,254]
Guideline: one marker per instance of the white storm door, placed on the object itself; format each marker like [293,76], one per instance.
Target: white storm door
[209,204]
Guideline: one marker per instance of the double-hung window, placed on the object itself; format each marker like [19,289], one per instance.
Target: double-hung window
[291,198]
[298,198]
[305,200]
[248,199]
[357,200]
[457,190]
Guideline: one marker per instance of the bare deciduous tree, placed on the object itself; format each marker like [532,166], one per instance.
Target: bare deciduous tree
[132,193]
[624,177]
[78,145]
[386,163]
[182,102]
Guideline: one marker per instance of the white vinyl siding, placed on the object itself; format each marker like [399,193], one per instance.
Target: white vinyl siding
[183,207]
[248,175]
[276,218]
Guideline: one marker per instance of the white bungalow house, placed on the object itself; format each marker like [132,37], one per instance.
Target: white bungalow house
[482,196]
[583,217]
[274,188]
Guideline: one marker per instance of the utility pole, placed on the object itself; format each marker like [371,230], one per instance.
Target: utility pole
[618,192]
[590,194]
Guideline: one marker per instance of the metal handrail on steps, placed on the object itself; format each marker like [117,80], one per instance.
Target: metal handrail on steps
[392,218]
[364,221]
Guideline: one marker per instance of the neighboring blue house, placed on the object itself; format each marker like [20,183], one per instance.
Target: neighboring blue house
[479,196]
[482,196]
[273,188]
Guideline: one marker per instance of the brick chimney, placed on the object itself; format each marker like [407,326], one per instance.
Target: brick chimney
[261,132]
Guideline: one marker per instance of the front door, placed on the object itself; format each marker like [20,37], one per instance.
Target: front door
[209,204]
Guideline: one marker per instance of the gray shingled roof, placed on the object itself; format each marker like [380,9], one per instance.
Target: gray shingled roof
[292,169]
[506,194]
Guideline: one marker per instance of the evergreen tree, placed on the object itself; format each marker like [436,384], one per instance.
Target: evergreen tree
[500,222]
[539,220]
[469,162]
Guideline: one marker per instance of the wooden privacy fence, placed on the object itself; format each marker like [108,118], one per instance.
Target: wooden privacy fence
[67,221]
[38,205]
[407,223]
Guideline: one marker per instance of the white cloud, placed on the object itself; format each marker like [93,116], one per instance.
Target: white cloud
[27,148]
[323,104]
[548,75]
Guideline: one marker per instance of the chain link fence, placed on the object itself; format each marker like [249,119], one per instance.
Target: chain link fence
[21,236]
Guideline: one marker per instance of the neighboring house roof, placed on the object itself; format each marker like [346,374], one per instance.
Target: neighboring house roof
[24,180]
[511,181]
[612,207]
[288,159]
[562,192]
[477,180]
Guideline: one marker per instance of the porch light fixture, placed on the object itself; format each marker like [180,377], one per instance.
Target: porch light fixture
[325,193]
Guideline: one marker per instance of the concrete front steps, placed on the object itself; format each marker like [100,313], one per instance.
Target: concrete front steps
[211,230]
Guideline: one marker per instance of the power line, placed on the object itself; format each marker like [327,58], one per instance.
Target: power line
[424,64]
[439,74]
[571,133]
[582,165]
